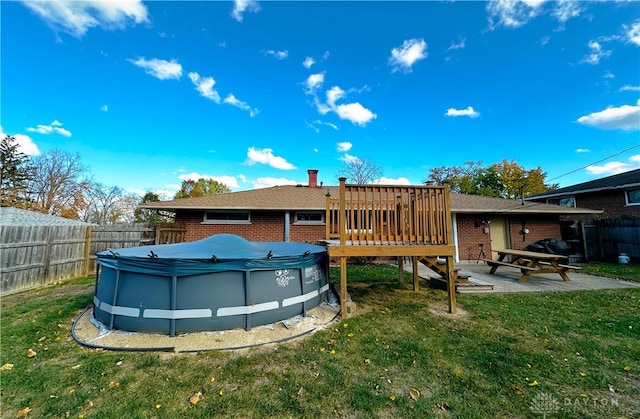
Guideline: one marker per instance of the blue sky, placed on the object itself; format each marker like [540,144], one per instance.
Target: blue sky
[255,93]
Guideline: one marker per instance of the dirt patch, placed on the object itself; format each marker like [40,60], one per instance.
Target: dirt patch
[88,334]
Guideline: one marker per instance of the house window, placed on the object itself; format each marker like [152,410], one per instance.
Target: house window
[632,196]
[567,201]
[226,217]
[309,217]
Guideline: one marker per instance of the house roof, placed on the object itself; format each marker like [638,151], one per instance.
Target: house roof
[619,181]
[18,217]
[298,198]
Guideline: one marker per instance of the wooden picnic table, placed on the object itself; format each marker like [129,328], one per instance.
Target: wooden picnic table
[531,263]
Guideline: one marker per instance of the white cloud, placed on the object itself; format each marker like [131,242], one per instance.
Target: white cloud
[625,117]
[242,178]
[76,17]
[267,182]
[55,126]
[411,51]
[582,150]
[265,156]
[308,62]
[325,55]
[630,88]
[457,45]
[313,82]
[25,143]
[614,167]
[391,181]
[633,32]
[230,181]
[511,13]
[349,158]
[104,108]
[356,113]
[233,101]
[344,146]
[333,95]
[469,111]
[62,131]
[566,9]
[596,54]
[241,6]
[278,55]
[315,125]
[609,75]
[161,69]
[204,85]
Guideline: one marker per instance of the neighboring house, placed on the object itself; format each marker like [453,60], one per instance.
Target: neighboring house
[615,195]
[297,213]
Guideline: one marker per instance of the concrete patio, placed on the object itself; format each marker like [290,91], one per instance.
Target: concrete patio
[506,279]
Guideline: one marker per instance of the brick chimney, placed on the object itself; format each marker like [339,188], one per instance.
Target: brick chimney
[313,178]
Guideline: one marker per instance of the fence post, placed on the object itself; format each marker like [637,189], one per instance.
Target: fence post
[47,255]
[87,250]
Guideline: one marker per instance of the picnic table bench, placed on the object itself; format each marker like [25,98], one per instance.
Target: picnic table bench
[531,263]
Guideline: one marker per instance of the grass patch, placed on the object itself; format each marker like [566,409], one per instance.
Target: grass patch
[630,271]
[497,358]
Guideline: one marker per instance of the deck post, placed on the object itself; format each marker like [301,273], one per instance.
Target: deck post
[343,286]
[342,226]
[416,278]
[451,276]
[400,269]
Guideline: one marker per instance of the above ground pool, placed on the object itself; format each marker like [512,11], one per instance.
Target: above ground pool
[218,283]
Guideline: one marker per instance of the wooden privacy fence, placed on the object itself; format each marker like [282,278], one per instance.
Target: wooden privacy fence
[34,256]
[606,239]
[39,255]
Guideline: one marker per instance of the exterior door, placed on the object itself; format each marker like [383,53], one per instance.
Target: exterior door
[499,235]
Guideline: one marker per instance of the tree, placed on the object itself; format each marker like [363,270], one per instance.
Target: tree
[108,205]
[506,179]
[146,215]
[15,173]
[360,171]
[58,184]
[201,187]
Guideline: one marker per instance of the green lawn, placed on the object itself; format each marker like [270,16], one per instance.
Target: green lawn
[571,354]
[630,271]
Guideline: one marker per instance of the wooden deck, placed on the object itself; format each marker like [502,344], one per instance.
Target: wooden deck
[397,221]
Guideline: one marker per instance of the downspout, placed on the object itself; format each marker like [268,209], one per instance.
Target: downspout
[287,220]
[454,221]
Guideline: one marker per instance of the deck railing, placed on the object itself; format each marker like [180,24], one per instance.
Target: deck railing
[381,214]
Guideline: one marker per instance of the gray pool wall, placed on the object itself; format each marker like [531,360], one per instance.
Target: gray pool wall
[219,283]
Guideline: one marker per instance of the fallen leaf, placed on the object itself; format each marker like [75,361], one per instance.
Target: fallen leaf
[392,397]
[42,339]
[517,390]
[367,361]
[213,379]
[9,367]
[414,393]
[119,363]
[535,383]
[31,353]
[220,393]
[350,335]
[442,406]
[75,367]
[58,338]
[158,406]
[23,412]
[114,384]
[626,367]
[300,391]
[193,400]
[583,374]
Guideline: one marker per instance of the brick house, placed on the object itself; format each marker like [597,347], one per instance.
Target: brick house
[617,195]
[297,213]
